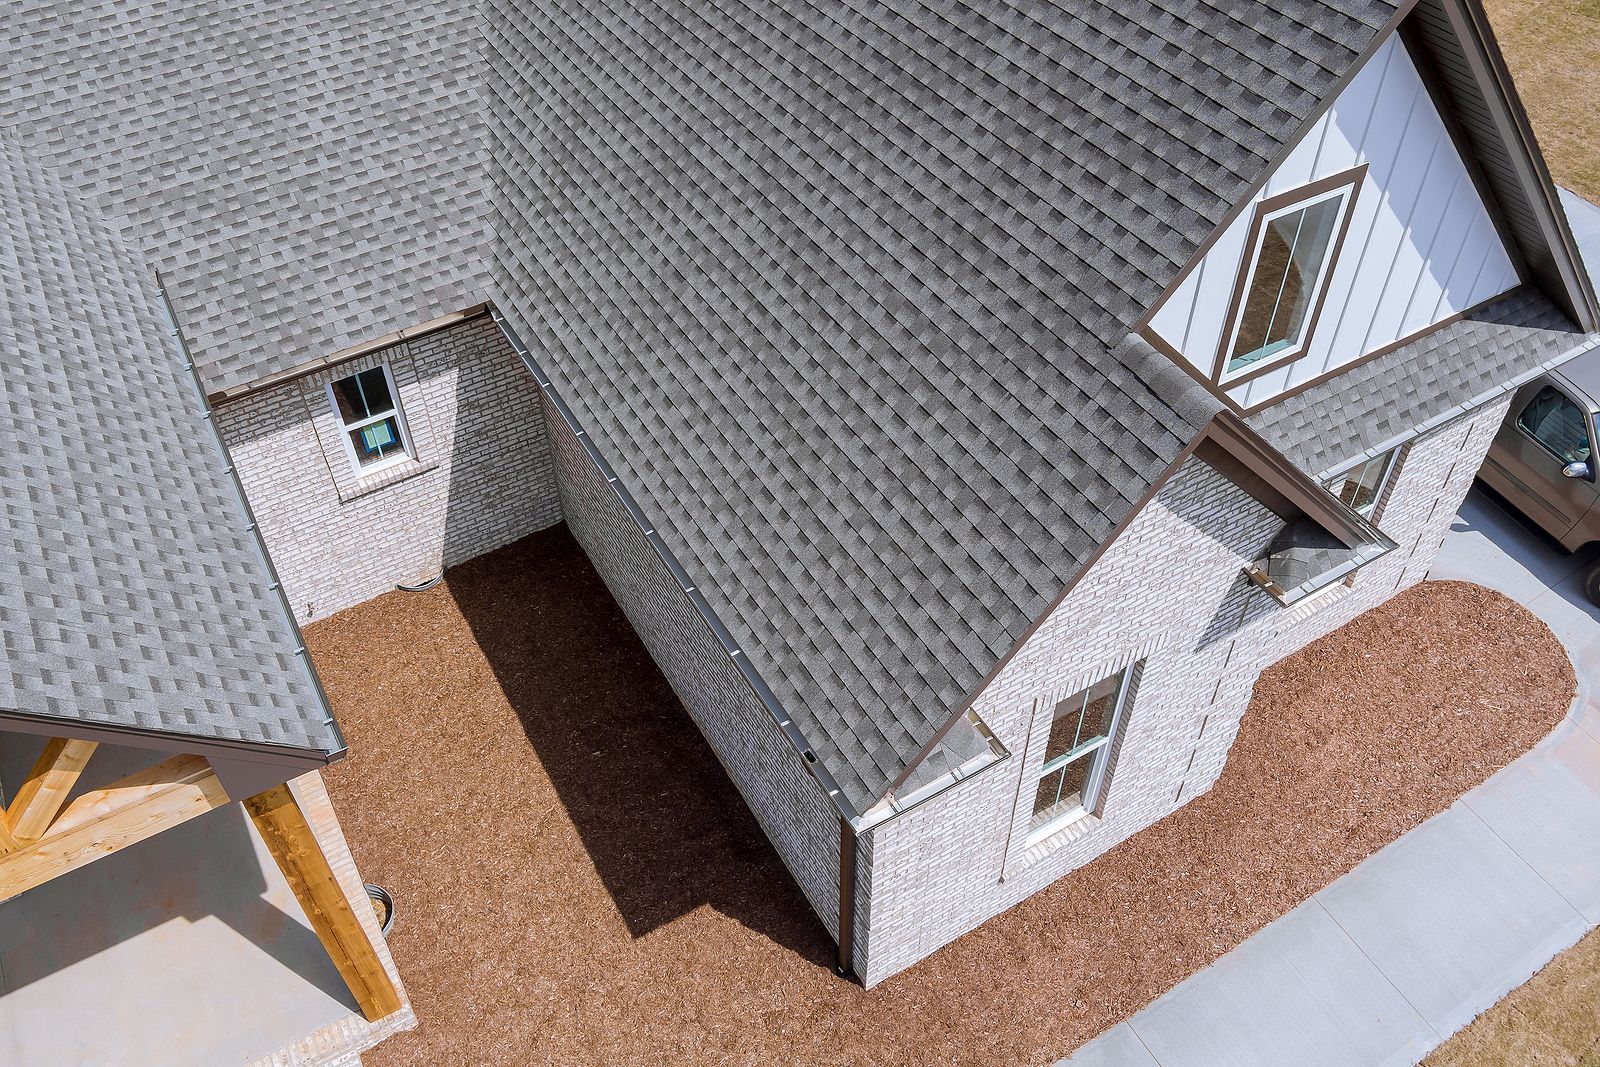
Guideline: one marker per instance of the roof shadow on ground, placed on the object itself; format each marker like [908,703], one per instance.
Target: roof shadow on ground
[667,830]
[206,868]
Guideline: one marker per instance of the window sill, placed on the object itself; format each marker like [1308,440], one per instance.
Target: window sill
[1052,836]
[351,487]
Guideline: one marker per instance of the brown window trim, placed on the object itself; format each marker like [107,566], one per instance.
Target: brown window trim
[1355,178]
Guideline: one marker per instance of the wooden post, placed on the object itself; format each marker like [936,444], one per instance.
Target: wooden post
[294,846]
[45,790]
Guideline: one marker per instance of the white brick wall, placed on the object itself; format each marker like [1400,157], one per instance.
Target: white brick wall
[482,476]
[1167,591]
[786,799]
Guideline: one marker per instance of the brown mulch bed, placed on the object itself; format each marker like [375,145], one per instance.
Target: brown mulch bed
[578,883]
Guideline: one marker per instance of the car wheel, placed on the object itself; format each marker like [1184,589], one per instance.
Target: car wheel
[1591,585]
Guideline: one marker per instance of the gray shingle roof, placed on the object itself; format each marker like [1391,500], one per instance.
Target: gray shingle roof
[842,291]
[305,173]
[131,594]
[1391,395]
[1397,392]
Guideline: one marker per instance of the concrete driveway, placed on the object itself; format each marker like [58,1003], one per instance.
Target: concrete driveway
[1384,964]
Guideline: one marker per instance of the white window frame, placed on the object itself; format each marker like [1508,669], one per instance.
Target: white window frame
[1098,750]
[406,452]
[1346,195]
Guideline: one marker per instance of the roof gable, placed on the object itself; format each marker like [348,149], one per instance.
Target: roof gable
[1417,245]
[842,293]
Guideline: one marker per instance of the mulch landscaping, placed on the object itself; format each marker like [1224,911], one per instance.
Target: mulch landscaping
[577,882]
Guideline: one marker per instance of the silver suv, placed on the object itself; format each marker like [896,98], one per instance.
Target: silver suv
[1543,460]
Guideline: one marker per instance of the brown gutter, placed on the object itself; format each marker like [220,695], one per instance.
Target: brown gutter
[345,355]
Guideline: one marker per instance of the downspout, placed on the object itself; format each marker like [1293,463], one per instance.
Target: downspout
[845,967]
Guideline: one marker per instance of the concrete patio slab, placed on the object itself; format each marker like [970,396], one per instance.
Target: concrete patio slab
[1117,1047]
[1550,808]
[1299,992]
[1445,921]
[1452,917]
[185,949]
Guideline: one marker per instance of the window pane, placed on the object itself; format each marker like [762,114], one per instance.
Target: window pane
[1060,792]
[1102,705]
[1294,249]
[379,441]
[1359,489]
[362,395]
[1557,424]
[1064,727]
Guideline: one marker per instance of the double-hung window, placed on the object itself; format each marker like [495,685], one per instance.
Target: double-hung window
[1289,256]
[374,428]
[1362,486]
[1076,754]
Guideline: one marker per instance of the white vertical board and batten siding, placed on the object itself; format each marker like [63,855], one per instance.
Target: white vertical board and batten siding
[1421,245]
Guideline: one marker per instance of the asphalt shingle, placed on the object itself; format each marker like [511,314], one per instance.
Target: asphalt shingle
[132,593]
[843,291]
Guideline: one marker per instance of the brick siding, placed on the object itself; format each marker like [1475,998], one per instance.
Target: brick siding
[1168,592]
[482,475]
[787,800]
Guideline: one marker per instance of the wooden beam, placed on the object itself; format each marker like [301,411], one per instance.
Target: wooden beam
[47,786]
[289,837]
[8,843]
[106,820]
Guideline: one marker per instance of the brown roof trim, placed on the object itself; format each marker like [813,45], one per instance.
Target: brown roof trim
[1355,178]
[1546,246]
[1033,627]
[344,355]
[1377,353]
[1433,80]
[1276,161]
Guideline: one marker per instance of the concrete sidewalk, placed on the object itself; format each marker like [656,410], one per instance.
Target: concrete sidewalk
[1388,961]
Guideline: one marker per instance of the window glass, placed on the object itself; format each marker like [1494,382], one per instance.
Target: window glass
[377,441]
[1558,424]
[1076,752]
[373,425]
[363,395]
[1293,253]
[1362,487]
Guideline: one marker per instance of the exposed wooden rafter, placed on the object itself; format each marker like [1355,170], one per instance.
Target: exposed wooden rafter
[139,806]
[46,788]
[104,821]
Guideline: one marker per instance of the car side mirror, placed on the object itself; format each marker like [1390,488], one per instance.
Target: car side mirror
[1576,469]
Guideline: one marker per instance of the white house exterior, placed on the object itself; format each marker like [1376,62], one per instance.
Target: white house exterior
[964,407]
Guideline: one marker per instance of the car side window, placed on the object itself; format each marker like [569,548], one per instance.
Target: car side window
[1558,424]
